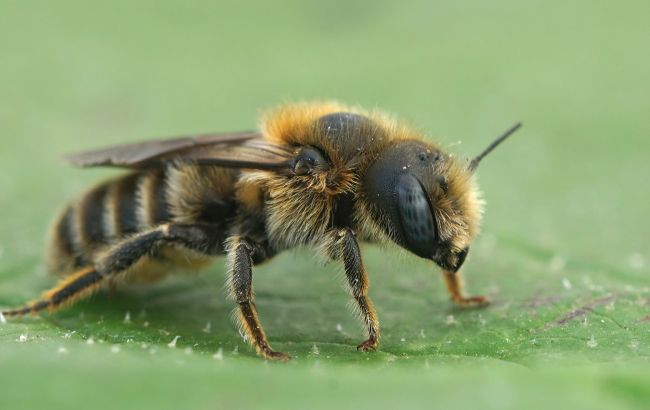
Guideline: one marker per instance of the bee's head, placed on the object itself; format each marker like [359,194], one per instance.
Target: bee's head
[426,201]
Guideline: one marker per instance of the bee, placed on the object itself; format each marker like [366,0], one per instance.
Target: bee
[325,176]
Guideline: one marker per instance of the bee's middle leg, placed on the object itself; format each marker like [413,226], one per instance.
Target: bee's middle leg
[358,280]
[241,255]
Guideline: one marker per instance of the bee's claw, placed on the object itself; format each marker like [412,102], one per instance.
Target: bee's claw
[473,301]
[368,345]
[278,356]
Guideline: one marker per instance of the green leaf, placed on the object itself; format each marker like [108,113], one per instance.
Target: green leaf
[563,253]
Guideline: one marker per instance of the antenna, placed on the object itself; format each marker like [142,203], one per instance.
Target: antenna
[474,163]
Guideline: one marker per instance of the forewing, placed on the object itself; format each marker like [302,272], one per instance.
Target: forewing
[253,153]
[144,154]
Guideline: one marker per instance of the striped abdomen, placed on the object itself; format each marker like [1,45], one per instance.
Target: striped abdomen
[136,202]
[105,214]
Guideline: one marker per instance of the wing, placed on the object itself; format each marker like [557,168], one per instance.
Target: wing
[239,150]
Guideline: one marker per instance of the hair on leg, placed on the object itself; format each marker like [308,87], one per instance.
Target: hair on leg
[119,258]
[346,248]
[240,283]
[77,286]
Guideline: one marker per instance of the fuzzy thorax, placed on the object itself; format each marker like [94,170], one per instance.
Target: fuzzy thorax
[299,209]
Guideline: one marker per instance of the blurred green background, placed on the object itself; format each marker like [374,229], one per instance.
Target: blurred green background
[564,251]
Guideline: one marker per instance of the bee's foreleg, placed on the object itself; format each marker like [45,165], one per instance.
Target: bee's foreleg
[455,288]
[241,253]
[119,258]
[348,250]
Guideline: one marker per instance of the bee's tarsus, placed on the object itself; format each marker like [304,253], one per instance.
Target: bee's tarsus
[76,286]
[369,345]
[455,289]
[14,313]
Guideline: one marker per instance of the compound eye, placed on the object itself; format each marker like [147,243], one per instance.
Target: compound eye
[416,216]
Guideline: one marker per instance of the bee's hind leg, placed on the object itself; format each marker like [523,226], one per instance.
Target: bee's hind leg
[76,286]
[201,238]
[455,289]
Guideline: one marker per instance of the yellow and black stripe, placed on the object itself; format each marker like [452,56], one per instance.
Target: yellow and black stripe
[106,214]
[123,203]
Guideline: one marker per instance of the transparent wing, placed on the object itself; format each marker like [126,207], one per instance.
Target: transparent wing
[240,150]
